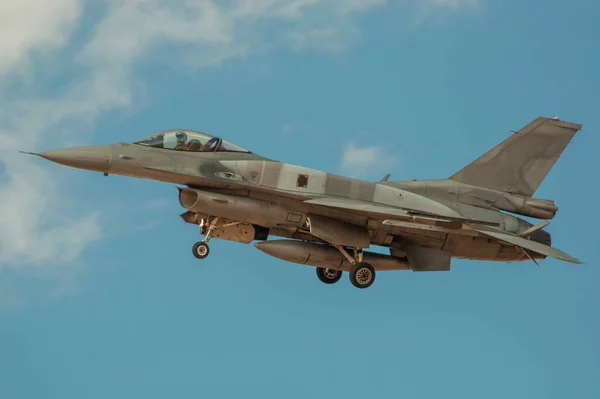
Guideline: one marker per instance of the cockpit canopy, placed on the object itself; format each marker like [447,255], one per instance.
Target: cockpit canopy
[189,140]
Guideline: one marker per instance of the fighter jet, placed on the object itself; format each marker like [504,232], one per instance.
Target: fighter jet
[330,221]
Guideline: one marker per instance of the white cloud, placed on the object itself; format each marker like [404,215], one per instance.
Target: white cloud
[31,231]
[425,9]
[32,227]
[33,25]
[287,129]
[36,223]
[146,226]
[155,204]
[10,297]
[451,3]
[35,227]
[366,161]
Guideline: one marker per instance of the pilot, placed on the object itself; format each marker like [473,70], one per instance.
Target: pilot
[181,138]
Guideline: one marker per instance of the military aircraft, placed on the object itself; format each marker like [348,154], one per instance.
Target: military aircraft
[329,221]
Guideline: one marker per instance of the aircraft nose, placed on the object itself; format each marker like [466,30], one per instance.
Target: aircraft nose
[94,158]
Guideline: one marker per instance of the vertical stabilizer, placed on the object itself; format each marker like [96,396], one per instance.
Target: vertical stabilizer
[520,163]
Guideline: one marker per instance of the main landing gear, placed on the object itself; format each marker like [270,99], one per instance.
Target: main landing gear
[329,276]
[362,274]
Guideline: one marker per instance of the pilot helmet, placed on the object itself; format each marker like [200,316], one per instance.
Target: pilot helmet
[181,137]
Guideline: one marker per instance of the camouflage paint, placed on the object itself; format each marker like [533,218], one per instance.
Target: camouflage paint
[461,216]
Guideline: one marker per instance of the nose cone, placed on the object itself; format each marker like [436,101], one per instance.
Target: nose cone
[95,158]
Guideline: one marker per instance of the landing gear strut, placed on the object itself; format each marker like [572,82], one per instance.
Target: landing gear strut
[362,274]
[201,249]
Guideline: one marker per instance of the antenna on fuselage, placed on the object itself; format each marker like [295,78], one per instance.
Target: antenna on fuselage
[385,178]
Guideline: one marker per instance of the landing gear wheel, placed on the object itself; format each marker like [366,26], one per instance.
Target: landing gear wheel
[362,275]
[329,276]
[201,250]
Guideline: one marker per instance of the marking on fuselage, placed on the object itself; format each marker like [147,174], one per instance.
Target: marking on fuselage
[229,176]
[302,181]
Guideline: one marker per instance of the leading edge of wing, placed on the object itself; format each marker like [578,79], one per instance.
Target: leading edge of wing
[527,244]
[387,211]
[359,206]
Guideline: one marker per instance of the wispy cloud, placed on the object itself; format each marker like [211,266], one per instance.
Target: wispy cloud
[146,226]
[451,3]
[154,204]
[426,9]
[31,25]
[35,226]
[361,162]
[287,129]
[10,297]
[37,223]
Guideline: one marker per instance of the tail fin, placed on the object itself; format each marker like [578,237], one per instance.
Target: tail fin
[520,163]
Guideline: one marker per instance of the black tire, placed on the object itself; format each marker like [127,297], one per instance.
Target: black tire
[362,275]
[200,250]
[325,275]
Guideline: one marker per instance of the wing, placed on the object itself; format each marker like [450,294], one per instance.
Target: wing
[526,244]
[388,212]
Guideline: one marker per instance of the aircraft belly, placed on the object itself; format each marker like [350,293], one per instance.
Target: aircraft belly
[240,208]
[336,232]
[460,243]
[424,259]
[473,247]
[420,239]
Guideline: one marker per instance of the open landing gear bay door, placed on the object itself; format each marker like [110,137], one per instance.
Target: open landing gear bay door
[525,243]
[427,259]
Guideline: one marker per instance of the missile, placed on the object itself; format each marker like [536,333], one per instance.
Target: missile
[326,256]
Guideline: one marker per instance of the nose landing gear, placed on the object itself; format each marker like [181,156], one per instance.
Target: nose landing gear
[201,249]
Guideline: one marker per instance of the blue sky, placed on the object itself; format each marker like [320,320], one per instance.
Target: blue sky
[99,292]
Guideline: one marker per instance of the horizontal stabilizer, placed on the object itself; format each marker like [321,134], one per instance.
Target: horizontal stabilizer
[528,244]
